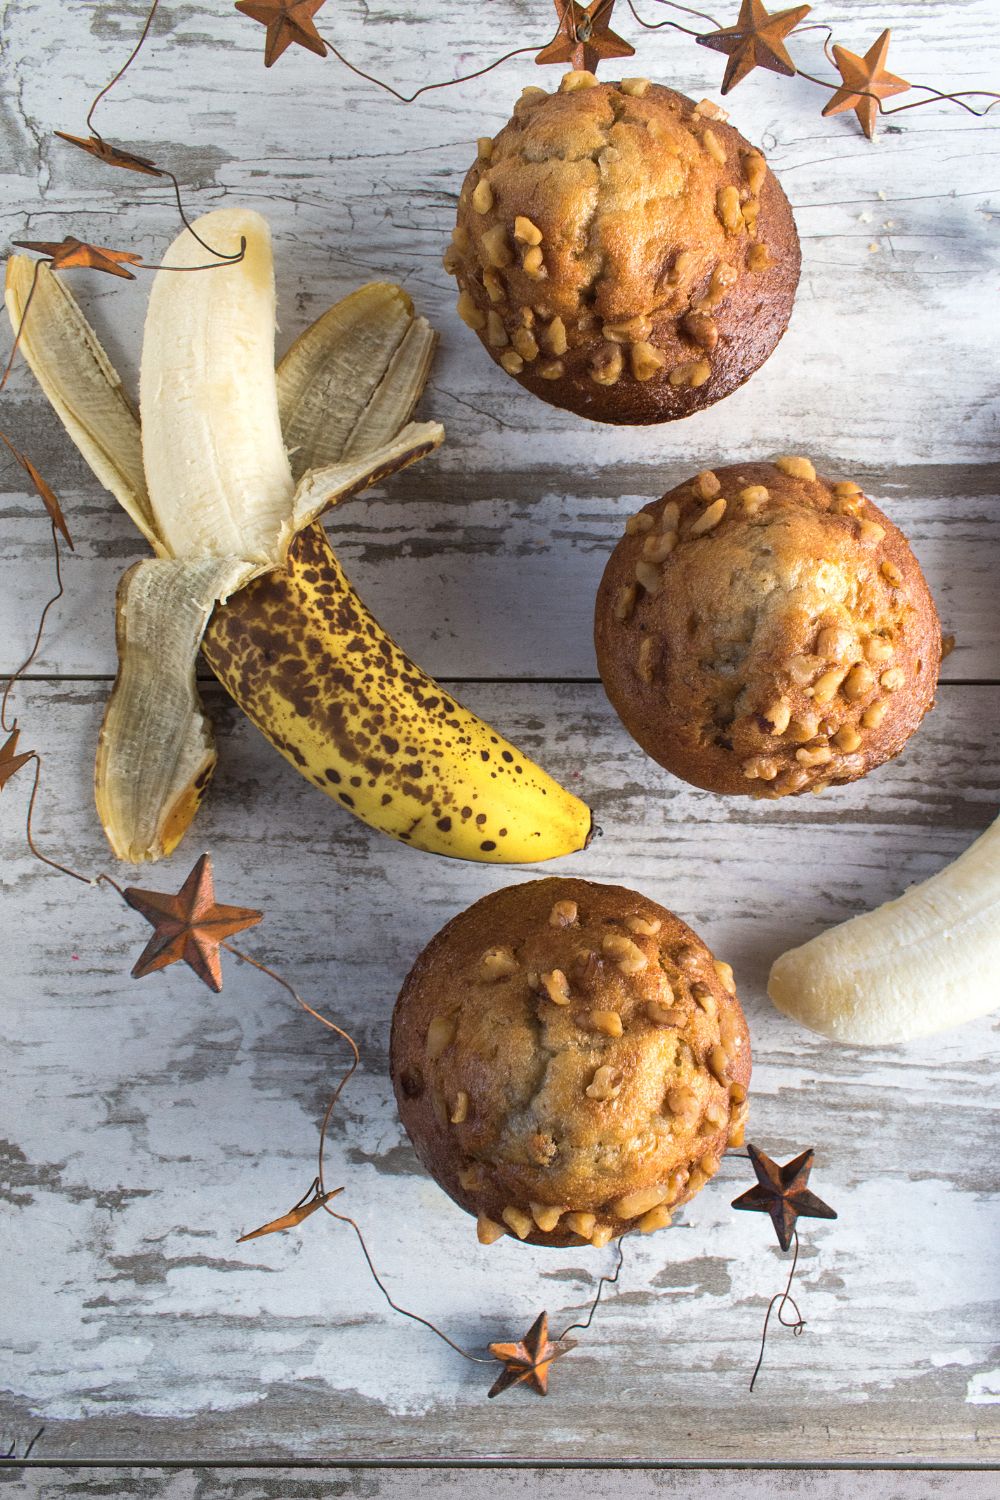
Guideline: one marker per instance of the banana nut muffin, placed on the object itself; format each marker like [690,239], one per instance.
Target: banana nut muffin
[762,631]
[569,1062]
[622,252]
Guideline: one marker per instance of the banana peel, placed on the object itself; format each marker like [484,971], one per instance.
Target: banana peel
[340,401]
[83,387]
[156,752]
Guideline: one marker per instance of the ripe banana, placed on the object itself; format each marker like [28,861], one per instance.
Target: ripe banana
[920,964]
[352,712]
[232,518]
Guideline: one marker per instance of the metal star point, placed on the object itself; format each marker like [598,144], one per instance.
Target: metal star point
[584,38]
[287,21]
[71,252]
[756,41]
[112,156]
[528,1360]
[10,763]
[189,926]
[41,486]
[865,83]
[782,1193]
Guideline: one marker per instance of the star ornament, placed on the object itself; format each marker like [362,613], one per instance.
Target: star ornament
[11,763]
[584,38]
[41,486]
[756,41]
[313,1200]
[71,252]
[865,83]
[112,156]
[287,21]
[782,1193]
[529,1359]
[189,926]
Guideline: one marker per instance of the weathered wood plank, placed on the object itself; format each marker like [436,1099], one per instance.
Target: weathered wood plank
[493,575]
[465,1484]
[139,1325]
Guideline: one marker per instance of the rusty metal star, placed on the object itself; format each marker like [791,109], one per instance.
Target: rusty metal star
[41,485]
[189,926]
[314,1199]
[756,41]
[112,156]
[10,763]
[584,38]
[529,1359]
[287,21]
[782,1193]
[865,83]
[70,252]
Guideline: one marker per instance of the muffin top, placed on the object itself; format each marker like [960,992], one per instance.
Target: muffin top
[763,631]
[569,1061]
[623,252]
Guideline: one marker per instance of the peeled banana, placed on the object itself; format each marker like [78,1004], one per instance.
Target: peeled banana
[238,465]
[920,964]
[219,479]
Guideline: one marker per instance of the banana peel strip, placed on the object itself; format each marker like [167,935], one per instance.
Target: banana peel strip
[156,751]
[83,387]
[342,372]
[392,402]
[319,489]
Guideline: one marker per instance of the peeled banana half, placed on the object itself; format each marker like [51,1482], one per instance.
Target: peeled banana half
[920,964]
[226,479]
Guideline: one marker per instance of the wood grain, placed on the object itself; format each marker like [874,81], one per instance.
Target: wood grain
[479,1484]
[441,558]
[148,1124]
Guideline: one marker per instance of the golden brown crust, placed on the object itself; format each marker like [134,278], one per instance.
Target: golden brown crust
[573,1046]
[761,631]
[622,254]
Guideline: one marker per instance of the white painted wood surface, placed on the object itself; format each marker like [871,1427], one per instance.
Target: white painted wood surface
[149,1124]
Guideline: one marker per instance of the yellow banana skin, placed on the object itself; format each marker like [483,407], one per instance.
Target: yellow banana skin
[318,675]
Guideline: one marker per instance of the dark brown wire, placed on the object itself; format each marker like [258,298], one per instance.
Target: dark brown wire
[659,25]
[324,1021]
[445,83]
[607,1280]
[9,685]
[121,71]
[690,11]
[476,1359]
[20,329]
[796,1324]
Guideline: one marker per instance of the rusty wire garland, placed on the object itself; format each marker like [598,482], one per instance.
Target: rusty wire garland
[317,1195]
